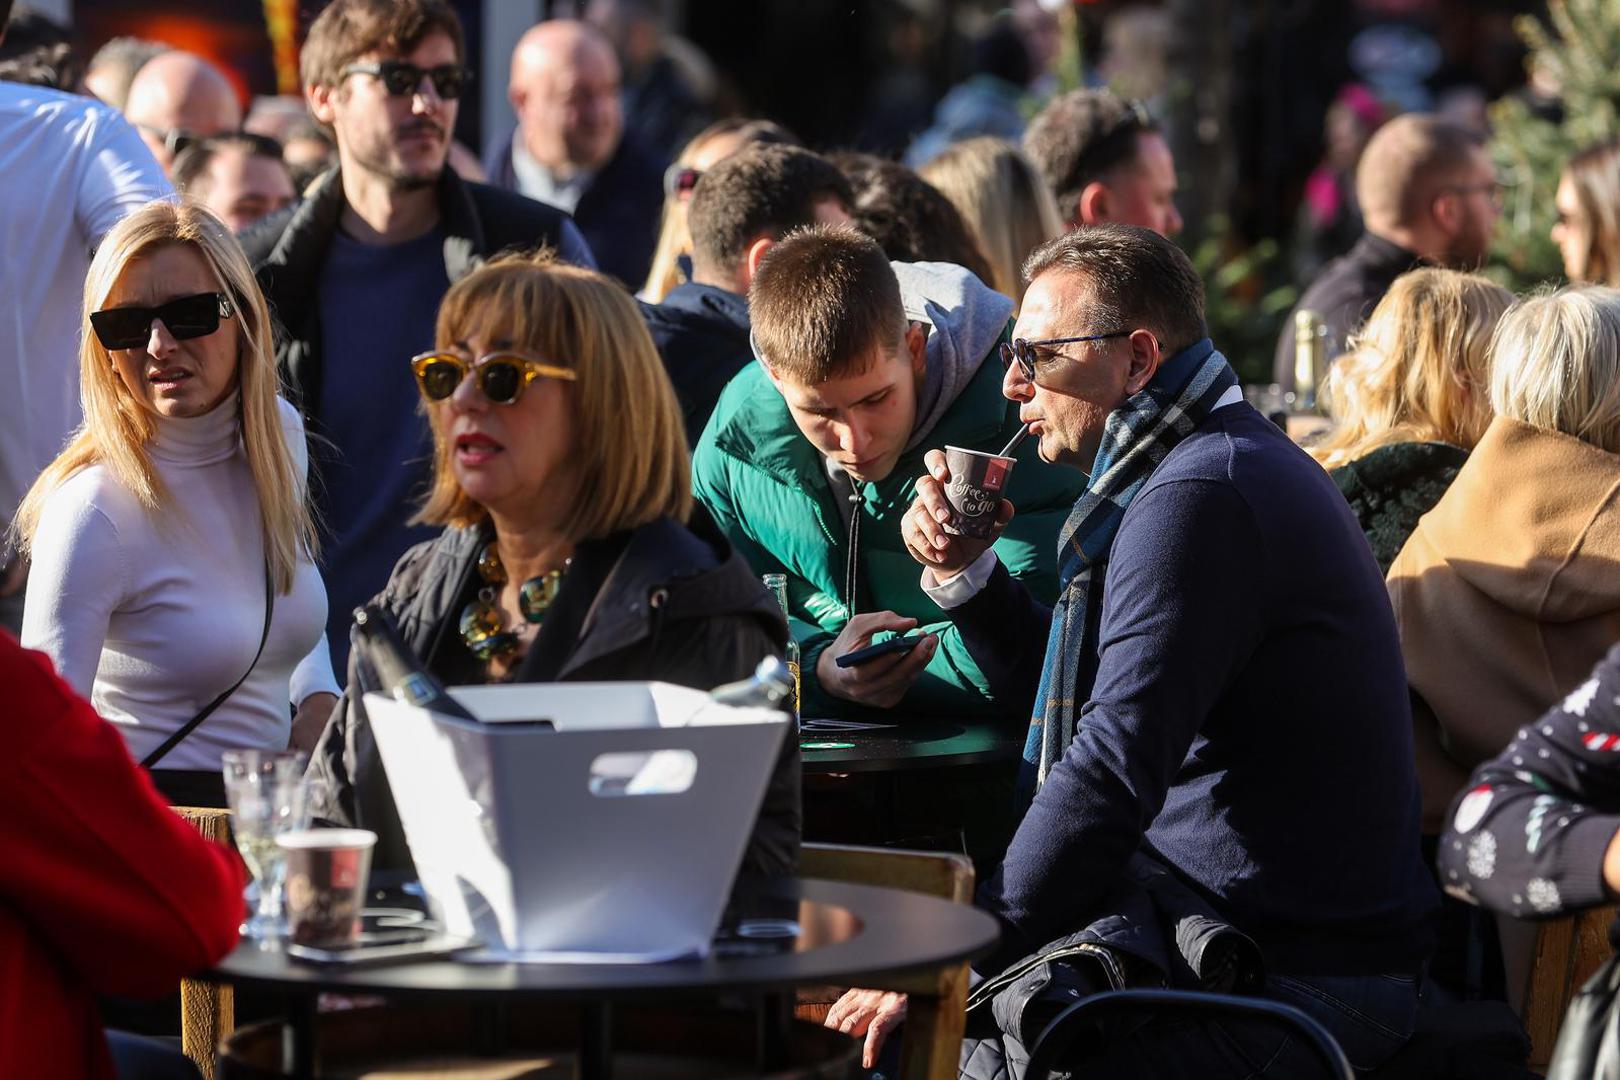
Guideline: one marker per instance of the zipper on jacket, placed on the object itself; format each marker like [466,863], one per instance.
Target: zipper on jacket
[852,574]
[987,990]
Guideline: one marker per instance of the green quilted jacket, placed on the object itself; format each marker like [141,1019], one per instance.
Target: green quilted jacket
[767,488]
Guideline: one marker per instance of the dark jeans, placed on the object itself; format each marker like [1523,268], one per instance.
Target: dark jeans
[1370,1016]
[138,1058]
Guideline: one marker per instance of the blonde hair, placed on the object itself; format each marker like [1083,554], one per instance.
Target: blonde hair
[630,443]
[1594,174]
[1418,370]
[1555,364]
[1007,206]
[674,239]
[117,428]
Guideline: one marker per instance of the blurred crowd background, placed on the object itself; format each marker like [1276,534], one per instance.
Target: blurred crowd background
[1266,103]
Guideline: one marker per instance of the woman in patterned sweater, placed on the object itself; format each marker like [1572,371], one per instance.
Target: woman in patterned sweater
[1536,833]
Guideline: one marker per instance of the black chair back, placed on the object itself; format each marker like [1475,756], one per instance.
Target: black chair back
[1062,1035]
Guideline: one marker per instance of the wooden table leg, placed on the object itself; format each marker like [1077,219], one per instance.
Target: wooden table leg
[933,1029]
[207,1018]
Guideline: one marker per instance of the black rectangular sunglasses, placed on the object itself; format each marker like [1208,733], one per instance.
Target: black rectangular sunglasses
[185,316]
[401,79]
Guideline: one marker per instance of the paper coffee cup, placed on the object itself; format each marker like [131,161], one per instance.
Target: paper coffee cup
[326,882]
[974,490]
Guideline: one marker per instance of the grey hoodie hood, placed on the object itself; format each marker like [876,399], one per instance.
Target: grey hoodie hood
[966,319]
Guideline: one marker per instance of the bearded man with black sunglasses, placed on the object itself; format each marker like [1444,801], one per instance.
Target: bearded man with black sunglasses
[355,270]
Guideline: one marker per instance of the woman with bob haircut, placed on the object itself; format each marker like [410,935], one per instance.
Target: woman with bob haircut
[562,479]
[1587,231]
[1003,200]
[172,542]
[1508,593]
[1410,400]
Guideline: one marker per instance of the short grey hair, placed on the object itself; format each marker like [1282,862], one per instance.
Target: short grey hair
[1136,279]
[1555,364]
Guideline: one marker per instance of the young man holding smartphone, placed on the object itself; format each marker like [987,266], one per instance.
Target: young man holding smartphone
[810,456]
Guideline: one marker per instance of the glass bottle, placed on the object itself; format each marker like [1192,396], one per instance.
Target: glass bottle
[386,666]
[1310,358]
[777,583]
[769,687]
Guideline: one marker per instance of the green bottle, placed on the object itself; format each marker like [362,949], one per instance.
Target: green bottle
[777,583]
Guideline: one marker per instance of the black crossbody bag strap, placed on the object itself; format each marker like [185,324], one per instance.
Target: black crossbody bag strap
[208,710]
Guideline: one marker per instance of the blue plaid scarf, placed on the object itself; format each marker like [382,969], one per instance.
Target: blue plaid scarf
[1135,440]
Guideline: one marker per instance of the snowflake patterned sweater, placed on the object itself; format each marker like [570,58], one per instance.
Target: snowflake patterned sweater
[1528,835]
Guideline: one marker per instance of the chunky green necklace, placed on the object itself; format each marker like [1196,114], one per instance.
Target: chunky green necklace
[483,626]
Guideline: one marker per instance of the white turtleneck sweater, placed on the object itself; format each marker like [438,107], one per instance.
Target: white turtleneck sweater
[154,616]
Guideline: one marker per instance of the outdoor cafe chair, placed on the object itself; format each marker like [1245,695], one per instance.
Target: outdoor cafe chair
[1074,1030]
[937,1012]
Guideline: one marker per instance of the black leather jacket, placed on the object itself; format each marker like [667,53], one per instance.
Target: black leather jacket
[676,607]
[288,248]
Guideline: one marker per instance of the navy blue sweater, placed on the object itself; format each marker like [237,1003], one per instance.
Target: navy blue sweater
[1249,722]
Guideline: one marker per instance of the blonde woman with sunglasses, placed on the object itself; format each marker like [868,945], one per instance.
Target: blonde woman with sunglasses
[172,545]
[561,477]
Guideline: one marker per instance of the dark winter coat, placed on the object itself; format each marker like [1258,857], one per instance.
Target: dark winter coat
[675,607]
[1344,294]
[288,247]
[1154,932]
[702,335]
[618,213]
[1393,486]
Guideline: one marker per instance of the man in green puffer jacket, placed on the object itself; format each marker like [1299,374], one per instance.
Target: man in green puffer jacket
[809,460]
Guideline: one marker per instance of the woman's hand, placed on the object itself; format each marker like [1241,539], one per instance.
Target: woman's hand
[873,1013]
[310,720]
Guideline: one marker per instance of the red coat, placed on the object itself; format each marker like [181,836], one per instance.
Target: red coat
[103,889]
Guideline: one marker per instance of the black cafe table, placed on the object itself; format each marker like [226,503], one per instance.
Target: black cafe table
[911,744]
[848,935]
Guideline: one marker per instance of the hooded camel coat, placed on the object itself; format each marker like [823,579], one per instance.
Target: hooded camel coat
[1506,595]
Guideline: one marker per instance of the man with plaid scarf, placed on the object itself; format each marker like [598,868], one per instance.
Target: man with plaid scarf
[1219,685]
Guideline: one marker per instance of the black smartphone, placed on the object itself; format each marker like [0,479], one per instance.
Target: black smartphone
[382,947]
[900,645]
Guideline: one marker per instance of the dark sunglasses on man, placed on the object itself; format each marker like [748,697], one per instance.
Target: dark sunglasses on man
[502,376]
[185,317]
[174,140]
[401,79]
[1026,354]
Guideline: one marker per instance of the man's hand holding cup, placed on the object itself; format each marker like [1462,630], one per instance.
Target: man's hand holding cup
[951,524]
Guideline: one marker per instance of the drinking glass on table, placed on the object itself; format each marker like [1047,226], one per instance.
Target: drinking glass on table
[268,797]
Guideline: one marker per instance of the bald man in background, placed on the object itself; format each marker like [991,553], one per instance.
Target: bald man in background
[1429,197]
[178,97]
[570,149]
